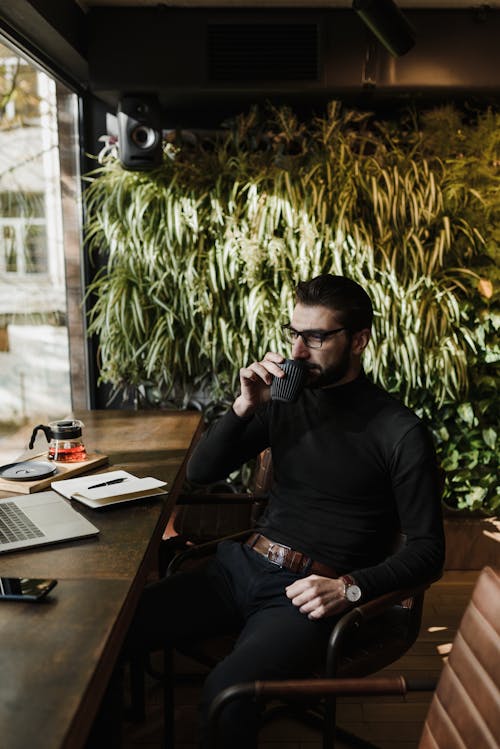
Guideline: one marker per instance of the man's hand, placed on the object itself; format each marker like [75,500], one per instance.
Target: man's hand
[255,381]
[317,596]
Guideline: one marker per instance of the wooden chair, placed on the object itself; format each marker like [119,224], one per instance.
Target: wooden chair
[465,709]
[365,640]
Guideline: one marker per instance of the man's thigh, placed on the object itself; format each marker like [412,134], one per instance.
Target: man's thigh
[184,607]
[275,643]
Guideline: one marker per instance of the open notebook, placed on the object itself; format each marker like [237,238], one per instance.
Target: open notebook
[111,488]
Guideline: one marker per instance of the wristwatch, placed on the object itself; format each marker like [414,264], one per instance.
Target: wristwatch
[352,592]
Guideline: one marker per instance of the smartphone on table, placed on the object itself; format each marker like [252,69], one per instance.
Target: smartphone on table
[24,588]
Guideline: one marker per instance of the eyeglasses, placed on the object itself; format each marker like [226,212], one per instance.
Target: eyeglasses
[310,338]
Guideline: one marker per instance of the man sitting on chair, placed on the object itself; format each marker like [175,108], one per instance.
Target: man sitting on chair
[351,466]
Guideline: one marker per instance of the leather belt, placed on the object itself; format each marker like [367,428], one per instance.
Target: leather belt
[284,556]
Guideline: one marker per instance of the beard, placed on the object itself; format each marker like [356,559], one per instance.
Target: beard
[319,377]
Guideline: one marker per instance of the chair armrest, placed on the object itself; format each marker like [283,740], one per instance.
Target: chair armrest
[307,688]
[219,498]
[380,604]
[202,550]
[342,687]
[356,617]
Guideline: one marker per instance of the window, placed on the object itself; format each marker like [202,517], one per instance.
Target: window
[23,237]
[34,347]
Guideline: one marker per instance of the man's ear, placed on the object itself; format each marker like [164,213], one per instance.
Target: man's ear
[360,340]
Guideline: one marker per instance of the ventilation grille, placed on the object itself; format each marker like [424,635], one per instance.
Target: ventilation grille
[263,52]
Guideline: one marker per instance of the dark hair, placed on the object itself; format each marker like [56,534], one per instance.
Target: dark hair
[341,295]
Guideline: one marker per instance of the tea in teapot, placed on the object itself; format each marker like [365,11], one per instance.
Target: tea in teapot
[65,440]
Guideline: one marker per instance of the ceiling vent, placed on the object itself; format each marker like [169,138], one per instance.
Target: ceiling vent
[260,52]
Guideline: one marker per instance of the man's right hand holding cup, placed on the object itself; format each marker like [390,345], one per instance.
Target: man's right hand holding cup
[255,382]
[274,376]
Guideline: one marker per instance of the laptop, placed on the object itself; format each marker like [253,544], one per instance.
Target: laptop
[39,519]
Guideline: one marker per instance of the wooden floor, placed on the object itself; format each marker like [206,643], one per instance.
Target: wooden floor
[389,722]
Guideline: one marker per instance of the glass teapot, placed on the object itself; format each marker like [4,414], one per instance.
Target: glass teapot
[65,440]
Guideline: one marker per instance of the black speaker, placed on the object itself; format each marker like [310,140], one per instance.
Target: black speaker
[139,132]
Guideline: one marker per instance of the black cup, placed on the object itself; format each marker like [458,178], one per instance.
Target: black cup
[287,388]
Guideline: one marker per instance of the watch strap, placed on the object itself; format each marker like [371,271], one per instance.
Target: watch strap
[348,582]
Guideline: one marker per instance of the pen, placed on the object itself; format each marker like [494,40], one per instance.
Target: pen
[106,483]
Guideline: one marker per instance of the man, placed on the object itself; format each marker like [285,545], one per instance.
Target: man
[351,465]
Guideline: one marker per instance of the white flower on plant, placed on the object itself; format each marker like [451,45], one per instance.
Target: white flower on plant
[109,149]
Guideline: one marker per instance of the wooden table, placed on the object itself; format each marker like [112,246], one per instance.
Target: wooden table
[56,657]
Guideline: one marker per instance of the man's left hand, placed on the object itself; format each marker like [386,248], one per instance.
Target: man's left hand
[317,596]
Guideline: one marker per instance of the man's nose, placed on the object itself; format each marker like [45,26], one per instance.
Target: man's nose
[299,349]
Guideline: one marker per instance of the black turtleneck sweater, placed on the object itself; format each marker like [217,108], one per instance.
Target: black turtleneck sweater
[351,465]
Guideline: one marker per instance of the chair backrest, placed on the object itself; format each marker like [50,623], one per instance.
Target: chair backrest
[204,516]
[465,709]
[263,477]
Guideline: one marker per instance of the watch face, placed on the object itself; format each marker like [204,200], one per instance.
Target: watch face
[353,593]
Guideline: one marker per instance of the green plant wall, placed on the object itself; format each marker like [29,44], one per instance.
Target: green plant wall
[201,258]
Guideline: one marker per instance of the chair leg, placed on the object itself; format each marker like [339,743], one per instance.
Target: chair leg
[168,699]
[329,725]
[332,732]
[137,710]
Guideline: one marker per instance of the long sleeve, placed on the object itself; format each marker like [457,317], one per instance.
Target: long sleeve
[415,485]
[226,445]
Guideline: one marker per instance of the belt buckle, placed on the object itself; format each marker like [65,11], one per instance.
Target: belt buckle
[278,551]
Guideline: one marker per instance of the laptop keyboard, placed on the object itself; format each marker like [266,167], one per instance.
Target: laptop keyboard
[15,525]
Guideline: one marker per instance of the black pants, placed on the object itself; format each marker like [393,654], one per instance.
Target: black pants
[238,592]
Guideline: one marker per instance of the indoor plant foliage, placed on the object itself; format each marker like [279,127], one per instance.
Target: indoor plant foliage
[202,255]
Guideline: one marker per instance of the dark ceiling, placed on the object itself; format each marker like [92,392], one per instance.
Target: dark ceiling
[197,57]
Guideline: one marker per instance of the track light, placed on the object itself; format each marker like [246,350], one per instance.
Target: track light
[388,24]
